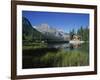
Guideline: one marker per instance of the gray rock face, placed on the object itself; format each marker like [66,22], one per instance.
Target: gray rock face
[52,33]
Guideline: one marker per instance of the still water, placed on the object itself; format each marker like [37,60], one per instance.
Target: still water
[56,55]
[70,46]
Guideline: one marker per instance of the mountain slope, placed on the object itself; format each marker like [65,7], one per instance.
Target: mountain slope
[52,34]
[29,33]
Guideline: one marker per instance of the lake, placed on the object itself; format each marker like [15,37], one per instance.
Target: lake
[56,55]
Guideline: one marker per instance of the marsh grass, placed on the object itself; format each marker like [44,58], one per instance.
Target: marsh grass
[64,59]
[37,55]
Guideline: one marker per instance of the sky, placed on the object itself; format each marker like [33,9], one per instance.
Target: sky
[61,21]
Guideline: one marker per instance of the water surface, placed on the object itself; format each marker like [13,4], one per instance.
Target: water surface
[56,55]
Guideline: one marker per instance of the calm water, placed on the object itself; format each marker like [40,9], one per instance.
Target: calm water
[43,57]
[69,46]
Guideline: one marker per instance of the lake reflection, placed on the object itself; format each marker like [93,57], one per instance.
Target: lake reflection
[57,55]
[67,46]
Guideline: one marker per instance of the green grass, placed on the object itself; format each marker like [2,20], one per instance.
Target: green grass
[63,59]
[60,58]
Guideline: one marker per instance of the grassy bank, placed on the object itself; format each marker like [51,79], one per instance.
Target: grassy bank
[63,59]
[34,46]
[37,55]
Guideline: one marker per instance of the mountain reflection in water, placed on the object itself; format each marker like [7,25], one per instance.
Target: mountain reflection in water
[34,58]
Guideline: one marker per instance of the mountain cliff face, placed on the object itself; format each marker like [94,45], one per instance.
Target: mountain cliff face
[48,32]
[43,32]
[29,33]
[52,33]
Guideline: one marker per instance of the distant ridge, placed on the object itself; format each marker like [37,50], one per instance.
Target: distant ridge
[43,32]
[52,32]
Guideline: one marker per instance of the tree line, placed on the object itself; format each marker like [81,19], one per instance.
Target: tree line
[82,32]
